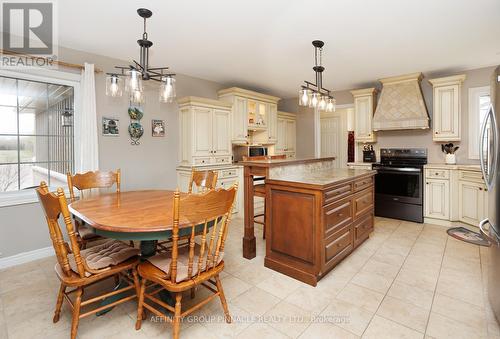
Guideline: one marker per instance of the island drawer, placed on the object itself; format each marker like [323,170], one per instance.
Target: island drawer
[338,245]
[362,228]
[337,192]
[471,176]
[363,202]
[337,215]
[363,183]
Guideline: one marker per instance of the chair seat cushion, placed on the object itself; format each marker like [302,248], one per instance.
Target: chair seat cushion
[86,232]
[162,261]
[111,252]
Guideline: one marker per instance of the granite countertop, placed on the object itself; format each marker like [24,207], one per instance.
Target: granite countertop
[274,162]
[320,178]
[466,167]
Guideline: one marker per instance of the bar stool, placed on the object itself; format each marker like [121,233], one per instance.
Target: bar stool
[259,190]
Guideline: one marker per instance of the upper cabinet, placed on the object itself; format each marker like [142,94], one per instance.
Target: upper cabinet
[205,131]
[447,107]
[286,130]
[364,107]
[254,116]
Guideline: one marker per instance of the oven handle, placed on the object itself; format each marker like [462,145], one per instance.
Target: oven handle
[396,169]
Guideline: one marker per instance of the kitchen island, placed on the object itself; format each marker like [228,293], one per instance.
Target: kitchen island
[315,218]
[266,169]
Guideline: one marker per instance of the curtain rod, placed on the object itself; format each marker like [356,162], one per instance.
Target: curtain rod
[60,63]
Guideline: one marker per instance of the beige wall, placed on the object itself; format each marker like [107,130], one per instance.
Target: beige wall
[149,165]
[305,126]
[408,138]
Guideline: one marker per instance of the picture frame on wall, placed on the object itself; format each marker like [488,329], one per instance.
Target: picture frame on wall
[158,128]
[110,127]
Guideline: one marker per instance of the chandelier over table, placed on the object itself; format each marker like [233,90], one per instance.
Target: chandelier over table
[140,71]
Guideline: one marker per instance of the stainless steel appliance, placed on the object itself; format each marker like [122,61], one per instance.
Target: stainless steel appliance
[249,151]
[399,189]
[489,160]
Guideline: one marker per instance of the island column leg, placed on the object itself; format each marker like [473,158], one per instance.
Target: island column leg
[249,236]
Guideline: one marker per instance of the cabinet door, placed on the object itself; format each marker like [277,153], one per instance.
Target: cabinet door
[446,113]
[272,123]
[437,199]
[290,135]
[202,129]
[240,121]
[471,202]
[363,106]
[281,134]
[221,143]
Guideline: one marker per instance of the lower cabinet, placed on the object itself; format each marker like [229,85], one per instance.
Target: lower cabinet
[472,202]
[437,198]
[455,194]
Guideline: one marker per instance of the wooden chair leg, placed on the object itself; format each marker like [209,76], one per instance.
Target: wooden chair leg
[177,316]
[140,305]
[76,312]
[264,226]
[60,297]
[137,284]
[223,299]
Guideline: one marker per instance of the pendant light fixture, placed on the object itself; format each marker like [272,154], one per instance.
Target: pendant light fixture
[138,72]
[313,94]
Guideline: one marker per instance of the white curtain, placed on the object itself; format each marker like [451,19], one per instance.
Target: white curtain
[86,142]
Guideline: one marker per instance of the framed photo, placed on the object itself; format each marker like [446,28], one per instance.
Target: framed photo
[158,128]
[110,126]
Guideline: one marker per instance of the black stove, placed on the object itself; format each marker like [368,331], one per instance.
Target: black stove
[399,183]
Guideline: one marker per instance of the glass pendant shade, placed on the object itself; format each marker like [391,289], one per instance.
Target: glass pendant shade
[167,90]
[67,119]
[314,100]
[137,97]
[134,81]
[114,86]
[322,103]
[330,106]
[304,97]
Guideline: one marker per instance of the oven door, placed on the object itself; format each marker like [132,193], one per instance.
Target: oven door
[399,184]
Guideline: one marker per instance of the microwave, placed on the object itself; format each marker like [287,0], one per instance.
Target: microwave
[249,151]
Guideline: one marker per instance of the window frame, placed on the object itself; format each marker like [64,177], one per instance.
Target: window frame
[20,197]
[474,124]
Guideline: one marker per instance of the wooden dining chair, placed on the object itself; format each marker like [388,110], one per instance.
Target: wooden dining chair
[200,181]
[185,268]
[89,183]
[78,269]
[259,190]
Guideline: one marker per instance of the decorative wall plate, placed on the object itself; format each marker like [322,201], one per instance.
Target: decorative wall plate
[136,131]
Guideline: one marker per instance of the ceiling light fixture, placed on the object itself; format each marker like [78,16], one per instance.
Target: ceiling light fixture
[313,94]
[139,71]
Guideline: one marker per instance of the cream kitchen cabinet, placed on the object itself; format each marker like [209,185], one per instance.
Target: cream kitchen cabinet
[447,107]
[286,134]
[437,198]
[454,193]
[254,112]
[205,126]
[364,107]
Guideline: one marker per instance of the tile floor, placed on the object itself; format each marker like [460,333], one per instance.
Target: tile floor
[407,281]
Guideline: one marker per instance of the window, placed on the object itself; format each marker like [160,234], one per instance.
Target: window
[479,101]
[36,133]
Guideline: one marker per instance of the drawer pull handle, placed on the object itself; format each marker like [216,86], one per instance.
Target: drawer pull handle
[437,173]
[341,214]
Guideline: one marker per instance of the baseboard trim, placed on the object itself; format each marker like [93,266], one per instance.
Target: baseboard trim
[446,223]
[25,257]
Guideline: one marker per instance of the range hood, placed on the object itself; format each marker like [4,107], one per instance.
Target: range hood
[401,104]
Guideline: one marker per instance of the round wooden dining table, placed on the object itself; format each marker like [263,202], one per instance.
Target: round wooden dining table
[145,216]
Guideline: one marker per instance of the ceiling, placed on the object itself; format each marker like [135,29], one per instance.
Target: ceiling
[266,44]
